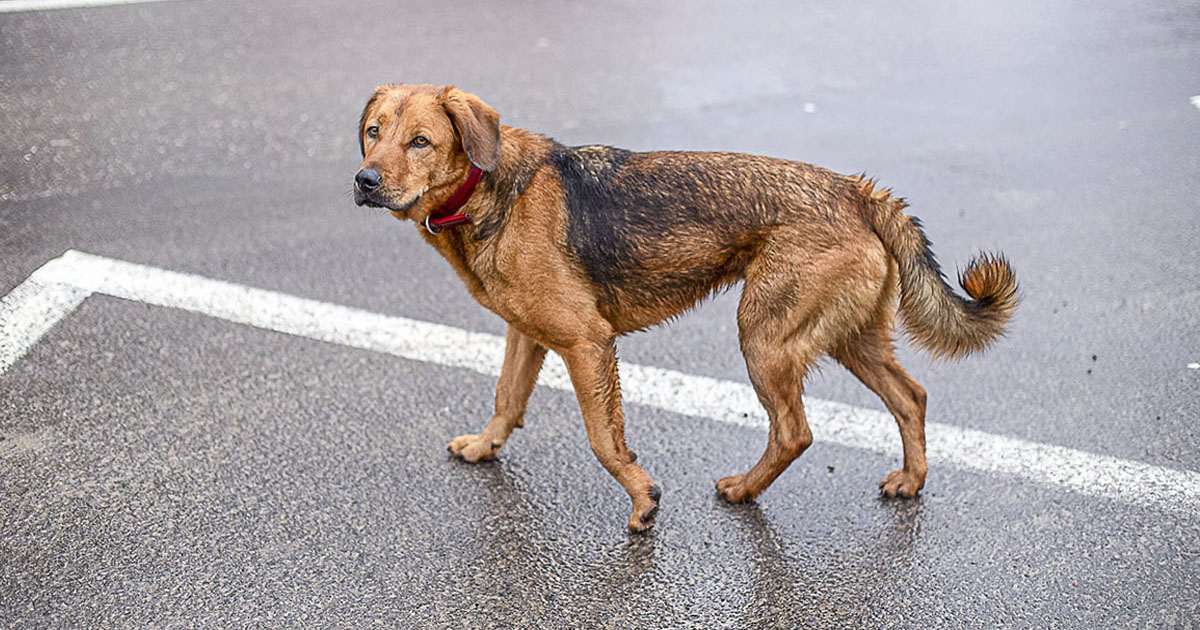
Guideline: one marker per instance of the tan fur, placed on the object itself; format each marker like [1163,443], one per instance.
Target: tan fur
[574,246]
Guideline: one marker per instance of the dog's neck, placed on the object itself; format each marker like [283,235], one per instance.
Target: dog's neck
[447,216]
[466,246]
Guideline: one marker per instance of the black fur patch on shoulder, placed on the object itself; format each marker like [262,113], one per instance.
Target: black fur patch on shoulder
[598,220]
[659,230]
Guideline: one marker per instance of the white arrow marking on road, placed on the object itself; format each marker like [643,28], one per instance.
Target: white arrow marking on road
[58,287]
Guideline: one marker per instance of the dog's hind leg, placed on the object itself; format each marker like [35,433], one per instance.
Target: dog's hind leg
[776,330]
[593,370]
[522,361]
[871,357]
[794,309]
[777,372]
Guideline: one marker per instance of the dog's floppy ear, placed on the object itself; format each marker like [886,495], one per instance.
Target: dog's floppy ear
[477,124]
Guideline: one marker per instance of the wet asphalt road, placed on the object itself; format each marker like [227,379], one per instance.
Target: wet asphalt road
[162,468]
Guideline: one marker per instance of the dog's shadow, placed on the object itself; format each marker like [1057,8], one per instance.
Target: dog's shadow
[526,548]
[515,516]
[800,581]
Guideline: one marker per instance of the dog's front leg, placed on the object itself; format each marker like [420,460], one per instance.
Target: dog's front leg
[522,361]
[593,370]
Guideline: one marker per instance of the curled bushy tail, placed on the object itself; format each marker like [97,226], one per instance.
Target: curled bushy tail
[935,317]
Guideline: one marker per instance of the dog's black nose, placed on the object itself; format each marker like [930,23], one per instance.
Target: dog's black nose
[368,180]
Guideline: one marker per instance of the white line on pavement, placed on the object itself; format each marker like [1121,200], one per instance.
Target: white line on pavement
[14,6]
[59,286]
[28,312]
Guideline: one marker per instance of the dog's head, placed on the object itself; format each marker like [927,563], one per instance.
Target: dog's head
[418,142]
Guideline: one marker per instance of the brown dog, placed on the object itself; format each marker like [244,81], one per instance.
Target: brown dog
[574,246]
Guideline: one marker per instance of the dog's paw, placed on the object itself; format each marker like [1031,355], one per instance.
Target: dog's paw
[901,483]
[644,512]
[474,448]
[733,489]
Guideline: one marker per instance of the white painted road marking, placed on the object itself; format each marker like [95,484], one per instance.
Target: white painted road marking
[58,287]
[14,6]
[1196,101]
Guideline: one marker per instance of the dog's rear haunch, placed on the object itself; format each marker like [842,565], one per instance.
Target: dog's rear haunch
[574,246]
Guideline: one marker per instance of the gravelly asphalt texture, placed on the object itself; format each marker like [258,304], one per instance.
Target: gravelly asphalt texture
[162,468]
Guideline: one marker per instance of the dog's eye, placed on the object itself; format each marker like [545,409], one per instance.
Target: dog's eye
[420,141]
[373,132]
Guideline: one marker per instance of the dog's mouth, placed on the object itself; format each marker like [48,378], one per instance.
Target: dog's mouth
[383,200]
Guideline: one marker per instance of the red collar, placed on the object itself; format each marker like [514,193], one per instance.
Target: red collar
[447,216]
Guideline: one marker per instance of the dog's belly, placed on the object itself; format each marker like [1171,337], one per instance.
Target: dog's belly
[661,283]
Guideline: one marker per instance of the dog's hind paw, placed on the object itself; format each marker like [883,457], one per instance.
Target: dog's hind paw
[733,489]
[474,448]
[901,483]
